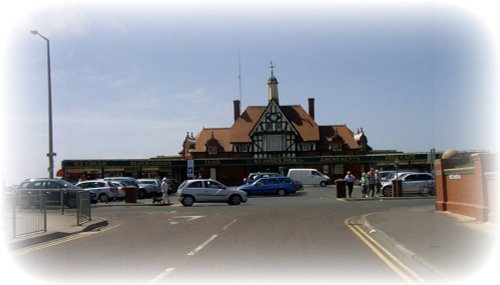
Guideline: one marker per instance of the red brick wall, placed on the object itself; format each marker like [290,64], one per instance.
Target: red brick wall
[492,186]
[470,191]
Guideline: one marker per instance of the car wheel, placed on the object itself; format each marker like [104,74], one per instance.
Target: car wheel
[187,201]
[234,200]
[103,198]
[142,194]
[387,191]
[281,192]
[323,184]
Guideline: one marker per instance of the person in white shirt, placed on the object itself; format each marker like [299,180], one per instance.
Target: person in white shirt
[164,189]
[349,179]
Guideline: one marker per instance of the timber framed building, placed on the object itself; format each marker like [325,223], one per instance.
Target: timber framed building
[263,138]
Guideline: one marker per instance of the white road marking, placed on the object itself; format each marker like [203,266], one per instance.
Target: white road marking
[162,275]
[201,246]
[230,224]
[174,220]
[189,218]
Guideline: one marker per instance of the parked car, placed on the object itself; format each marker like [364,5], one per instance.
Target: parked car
[129,181]
[104,190]
[173,185]
[207,190]
[121,188]
[254,176]
[155,182]
[273,185]
[308,176]
[93,197]
[384,174]
[411,183]
[146,188]
[52,189]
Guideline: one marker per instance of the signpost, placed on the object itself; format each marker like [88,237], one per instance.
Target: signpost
[190,168]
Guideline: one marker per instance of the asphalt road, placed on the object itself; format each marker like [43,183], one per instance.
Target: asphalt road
[296,239]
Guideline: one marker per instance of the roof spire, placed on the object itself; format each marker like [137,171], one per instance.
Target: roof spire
[272,84]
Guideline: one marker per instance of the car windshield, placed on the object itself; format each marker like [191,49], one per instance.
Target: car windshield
[68,185]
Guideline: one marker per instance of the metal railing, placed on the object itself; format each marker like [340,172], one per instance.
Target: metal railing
[24,214]
[83,212]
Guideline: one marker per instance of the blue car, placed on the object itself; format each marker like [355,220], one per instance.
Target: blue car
[252,177]
[273,185]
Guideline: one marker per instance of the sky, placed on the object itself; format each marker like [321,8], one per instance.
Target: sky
[129,79]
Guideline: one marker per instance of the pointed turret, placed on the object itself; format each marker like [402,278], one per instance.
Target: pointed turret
[272,84]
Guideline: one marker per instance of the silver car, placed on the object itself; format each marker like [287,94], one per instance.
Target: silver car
[207,190]
[104,190]
[410,181]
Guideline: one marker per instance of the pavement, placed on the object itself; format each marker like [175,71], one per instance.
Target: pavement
[441,246]
[62,225]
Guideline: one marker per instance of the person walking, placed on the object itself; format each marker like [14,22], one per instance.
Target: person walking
[164,188]
[378,181]
[372,182]
[349,180]
[364,184]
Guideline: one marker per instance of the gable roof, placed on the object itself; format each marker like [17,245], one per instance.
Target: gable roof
[299,118]
[302,122]
[222,135]
[244,124]
[343,131]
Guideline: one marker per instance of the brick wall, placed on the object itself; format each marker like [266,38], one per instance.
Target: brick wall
[470,191]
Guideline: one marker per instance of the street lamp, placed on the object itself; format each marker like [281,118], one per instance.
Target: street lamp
[51,153]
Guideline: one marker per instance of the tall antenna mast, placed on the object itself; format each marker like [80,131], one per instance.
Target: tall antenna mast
[239,74]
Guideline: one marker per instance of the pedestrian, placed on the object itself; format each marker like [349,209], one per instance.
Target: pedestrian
[364,184]
[349,180]
[372,182]
[378,181]
[164,188]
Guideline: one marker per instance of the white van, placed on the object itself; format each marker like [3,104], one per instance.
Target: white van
[309,176]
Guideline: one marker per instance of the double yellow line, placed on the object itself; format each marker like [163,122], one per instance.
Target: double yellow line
[58,241]
[388,258]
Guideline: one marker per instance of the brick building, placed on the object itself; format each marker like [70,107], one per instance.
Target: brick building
[273,137]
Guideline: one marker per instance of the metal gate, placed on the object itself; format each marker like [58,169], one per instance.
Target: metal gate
[83,212]
[24,214]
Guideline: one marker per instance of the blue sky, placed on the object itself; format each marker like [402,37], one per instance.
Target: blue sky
[129,82]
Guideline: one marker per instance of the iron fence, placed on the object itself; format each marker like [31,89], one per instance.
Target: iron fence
[24,214]
[83,212]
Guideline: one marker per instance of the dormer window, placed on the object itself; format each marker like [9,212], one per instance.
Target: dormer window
[335,147]
[212,149]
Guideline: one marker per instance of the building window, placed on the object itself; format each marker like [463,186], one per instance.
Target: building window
[335,147]
[212,149]
[274,143]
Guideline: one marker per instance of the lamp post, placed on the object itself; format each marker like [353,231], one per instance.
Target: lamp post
[51,153]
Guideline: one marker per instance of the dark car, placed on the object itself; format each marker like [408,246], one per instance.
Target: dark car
[273,185]
[173,185]
[252,177]
[51,189]
[93,197]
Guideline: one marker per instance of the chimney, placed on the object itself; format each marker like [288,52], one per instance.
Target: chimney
[311,107]
[236,104]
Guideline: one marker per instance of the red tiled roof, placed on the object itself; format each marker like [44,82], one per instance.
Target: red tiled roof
[244,124]
[220,134]
[300,119]
[302,122]
[343,131]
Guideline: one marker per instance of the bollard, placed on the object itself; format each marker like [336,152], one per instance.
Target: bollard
[397,188]
[340,186]
[130,194]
